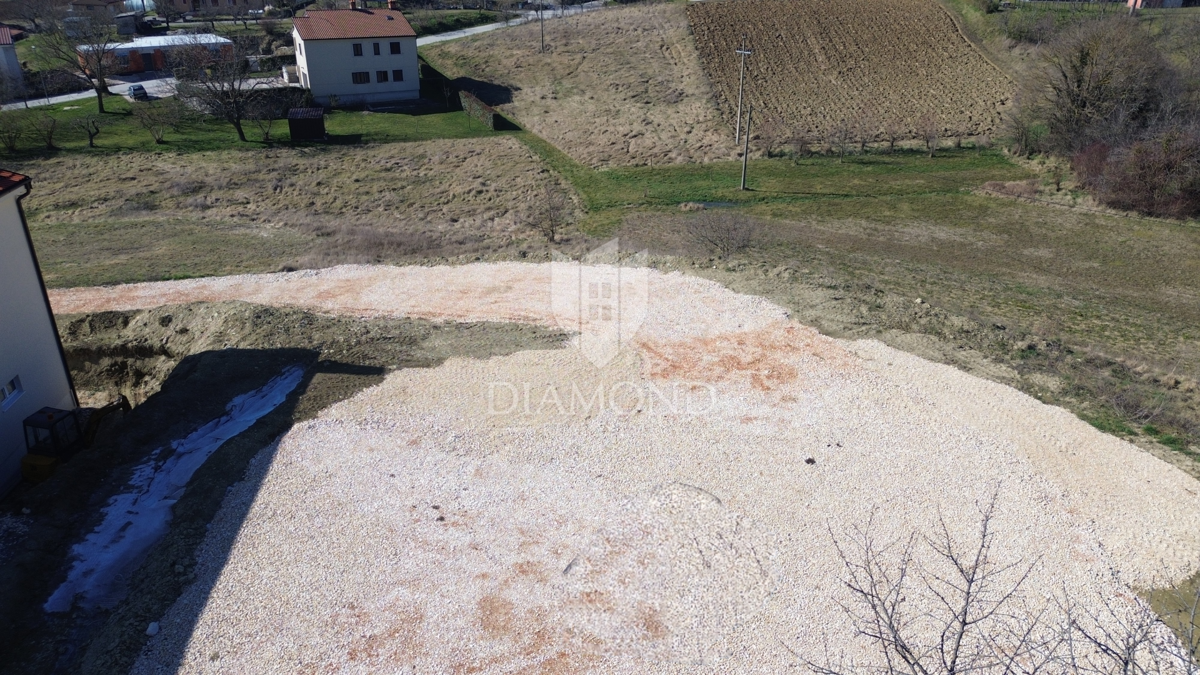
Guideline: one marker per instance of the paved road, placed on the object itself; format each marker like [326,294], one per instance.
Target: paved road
[157,87]
[527,16]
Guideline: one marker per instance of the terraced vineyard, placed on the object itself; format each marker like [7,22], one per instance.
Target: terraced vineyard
[879,64]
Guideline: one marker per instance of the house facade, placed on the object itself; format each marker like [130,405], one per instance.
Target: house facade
[357,55]
[33,368]
[11,79]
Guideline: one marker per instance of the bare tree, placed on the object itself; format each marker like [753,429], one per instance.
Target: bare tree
[866,128]
[551,214]
[801,143]
[929,127]
[722,232]
[893,131]
[271,105]
[973,632]
[160,116]
[772,132]
[168,12]
[215,82]
[86,45]
[966,612]
[44,125]
[91,125]
[12,128]
[839,137]
[41,14]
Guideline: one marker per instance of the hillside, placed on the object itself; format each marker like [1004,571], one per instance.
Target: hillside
[617,87]
[817,65]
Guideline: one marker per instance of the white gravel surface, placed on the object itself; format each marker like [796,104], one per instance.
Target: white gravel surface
[430,525]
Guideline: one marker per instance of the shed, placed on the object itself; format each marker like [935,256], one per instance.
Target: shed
[307,124]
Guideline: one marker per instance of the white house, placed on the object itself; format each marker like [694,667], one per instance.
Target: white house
[11,79]
[33,368]
[357,55]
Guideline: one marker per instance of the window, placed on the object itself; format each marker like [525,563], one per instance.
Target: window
[9,393]
[357,48]
[361,78]
[300,47]
[381,76]
[395,46]
[375,46]
[397,76]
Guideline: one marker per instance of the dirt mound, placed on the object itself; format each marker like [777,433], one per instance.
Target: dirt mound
[873,63]
[619,86]
[132,353]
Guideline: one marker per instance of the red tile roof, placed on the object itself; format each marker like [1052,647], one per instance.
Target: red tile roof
[10,180]
[6,37]
[345,24]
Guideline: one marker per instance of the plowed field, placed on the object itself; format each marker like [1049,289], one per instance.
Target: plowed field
[818,63]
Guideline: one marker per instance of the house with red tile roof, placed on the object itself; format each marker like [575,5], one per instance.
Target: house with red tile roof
[33,368]
[357,55]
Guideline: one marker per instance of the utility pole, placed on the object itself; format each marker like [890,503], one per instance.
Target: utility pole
[741,86]
[746,149]
[542,21]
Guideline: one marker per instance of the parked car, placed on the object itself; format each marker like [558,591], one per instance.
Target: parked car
[138,93]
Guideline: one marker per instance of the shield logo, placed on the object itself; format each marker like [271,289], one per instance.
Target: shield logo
[603,299]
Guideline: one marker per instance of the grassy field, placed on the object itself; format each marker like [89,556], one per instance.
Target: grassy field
[109,218]
[121,132]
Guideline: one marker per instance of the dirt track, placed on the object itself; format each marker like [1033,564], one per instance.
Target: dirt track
[638,536]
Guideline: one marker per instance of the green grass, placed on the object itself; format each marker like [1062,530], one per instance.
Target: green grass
[122,133]
[777,180]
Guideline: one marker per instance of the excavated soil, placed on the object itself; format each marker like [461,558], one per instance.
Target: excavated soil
[506,516]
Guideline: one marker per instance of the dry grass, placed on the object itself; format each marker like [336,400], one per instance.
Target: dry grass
[387,202]
[616,87]
[817,65]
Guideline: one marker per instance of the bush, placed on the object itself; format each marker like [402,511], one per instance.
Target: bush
[1103,81]
[1159,176]
[722,232]
[1089,163]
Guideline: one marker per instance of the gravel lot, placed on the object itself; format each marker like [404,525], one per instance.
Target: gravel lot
[426,524]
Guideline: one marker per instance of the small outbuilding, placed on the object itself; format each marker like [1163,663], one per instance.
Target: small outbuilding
[33,367]
[307,124]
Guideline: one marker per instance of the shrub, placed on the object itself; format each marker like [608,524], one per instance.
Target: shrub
[722,232]
[1088,164]
[1159,176]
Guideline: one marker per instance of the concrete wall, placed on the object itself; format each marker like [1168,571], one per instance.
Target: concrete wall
[325,67]
[29,347]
